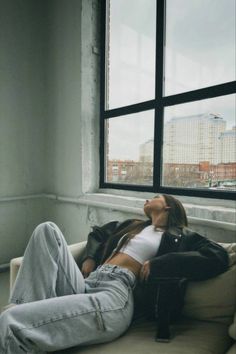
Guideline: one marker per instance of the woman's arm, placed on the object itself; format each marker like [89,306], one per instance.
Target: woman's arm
[98,245]
[96,239]
[194,257]
[192,265]
[88,266]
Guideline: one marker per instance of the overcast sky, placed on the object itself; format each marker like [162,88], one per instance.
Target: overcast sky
[200,51]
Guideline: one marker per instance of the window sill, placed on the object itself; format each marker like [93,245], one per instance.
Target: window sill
[211,212]
[219,216]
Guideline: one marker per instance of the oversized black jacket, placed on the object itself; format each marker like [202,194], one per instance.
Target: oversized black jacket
[183,253]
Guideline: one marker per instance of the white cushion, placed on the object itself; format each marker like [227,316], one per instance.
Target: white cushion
[214,299]
[232,328]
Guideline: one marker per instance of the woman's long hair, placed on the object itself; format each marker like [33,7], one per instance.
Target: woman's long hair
[176,218]
[176,214]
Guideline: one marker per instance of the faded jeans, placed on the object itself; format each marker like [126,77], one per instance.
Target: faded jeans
[57,308]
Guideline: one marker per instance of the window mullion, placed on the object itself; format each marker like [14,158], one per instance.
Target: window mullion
[160,18]
[102,92]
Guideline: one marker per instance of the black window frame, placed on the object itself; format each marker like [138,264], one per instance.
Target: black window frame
[157,105]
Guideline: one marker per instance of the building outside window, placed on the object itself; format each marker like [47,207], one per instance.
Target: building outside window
[168,115]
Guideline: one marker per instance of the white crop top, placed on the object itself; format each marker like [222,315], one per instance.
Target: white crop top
[144,245]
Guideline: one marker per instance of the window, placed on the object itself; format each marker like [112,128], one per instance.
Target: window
[168,115]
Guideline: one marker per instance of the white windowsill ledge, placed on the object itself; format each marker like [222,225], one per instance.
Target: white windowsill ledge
[214,216]
[212,212]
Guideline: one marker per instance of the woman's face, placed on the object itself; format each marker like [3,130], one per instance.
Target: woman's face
[157,204]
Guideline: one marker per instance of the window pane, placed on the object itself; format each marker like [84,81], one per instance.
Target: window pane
[200,44]
[130,52]
[129,149]
[199,148]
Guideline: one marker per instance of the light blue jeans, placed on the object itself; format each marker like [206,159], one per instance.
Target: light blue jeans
[57,308]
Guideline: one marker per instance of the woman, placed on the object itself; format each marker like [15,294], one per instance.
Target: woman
[59,309]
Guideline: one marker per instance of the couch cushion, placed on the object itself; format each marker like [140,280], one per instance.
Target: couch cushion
[232,329]
[214,299]
[232,349]
[195,337]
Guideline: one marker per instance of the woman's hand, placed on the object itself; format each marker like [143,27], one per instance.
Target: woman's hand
[145,271]
[88,266]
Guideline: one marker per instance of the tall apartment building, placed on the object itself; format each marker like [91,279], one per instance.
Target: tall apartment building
[191,139]
[227,141]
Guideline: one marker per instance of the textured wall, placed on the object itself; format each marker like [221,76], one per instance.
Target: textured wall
[64,98]
[22,119]
[22,99]
[76,216]
[73,101]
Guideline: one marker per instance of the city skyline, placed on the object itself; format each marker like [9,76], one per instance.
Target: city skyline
[127,147]
[198,151]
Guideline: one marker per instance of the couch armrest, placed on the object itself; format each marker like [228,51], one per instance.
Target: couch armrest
[14,267]
[76,251]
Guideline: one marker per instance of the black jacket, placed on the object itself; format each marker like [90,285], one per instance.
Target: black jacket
[183,253]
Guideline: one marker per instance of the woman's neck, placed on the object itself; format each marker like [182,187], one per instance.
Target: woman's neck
[159,221]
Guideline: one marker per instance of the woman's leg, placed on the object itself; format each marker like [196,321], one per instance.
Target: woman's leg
[100,315]
[48,268]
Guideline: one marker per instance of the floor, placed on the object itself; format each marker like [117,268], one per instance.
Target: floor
[4,288]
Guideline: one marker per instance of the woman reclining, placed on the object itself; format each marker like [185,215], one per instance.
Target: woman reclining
[60,306]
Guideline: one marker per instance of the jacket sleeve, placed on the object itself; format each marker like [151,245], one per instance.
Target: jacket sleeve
[203,259]
[96,239]
[191,265]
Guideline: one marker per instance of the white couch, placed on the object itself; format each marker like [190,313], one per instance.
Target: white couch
[204,327]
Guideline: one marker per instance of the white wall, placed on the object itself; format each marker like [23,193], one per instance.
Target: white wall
[22,120]
[64,98]
[73,110]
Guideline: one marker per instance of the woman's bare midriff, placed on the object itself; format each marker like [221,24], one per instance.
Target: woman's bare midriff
[124,260]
